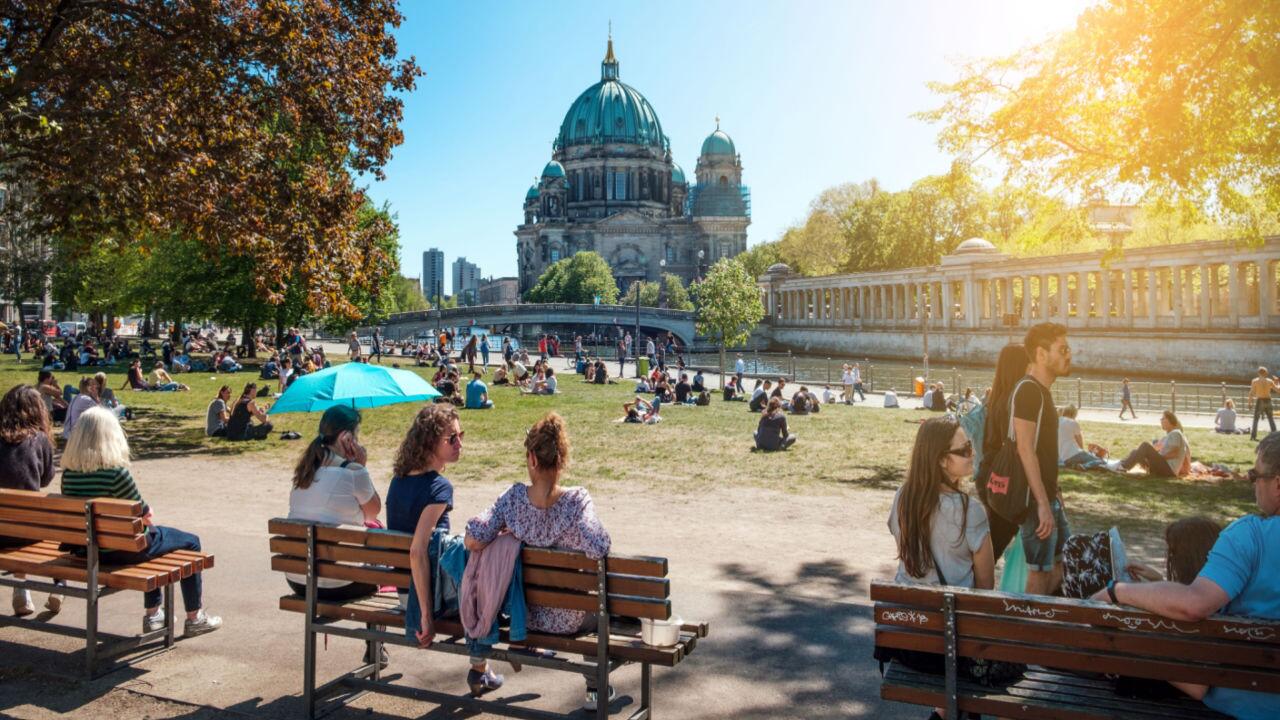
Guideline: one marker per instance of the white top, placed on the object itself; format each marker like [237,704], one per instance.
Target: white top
[334,496]
[927,400]
[951,549]
[79,404]
[846,378]
[890,399]
[827,396]
[1068,428]
[740,366]
[1226,420]
[551,384]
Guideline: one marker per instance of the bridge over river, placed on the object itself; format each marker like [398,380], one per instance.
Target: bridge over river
[527,320]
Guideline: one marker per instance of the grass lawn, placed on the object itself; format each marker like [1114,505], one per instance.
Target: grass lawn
[841,451]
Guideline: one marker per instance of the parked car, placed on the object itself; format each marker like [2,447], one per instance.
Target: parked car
[68,327]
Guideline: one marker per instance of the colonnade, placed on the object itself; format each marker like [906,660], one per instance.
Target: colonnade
[1208,286]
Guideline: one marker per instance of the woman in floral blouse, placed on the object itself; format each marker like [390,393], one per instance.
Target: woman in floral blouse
[544,514]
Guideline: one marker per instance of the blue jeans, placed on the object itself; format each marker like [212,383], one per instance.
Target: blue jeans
[162,541]
[1043,554]
[1084,460]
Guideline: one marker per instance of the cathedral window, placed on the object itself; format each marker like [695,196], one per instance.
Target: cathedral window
[671,255]
[723,181]
[620,186]
[555,254]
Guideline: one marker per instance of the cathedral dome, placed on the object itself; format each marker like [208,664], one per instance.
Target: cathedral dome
[677,174]
[611,112]
[533,192]
[553,170]
[718,143]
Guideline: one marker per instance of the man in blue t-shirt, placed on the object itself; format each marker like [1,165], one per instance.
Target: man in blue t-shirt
[1241,577]
[478,394]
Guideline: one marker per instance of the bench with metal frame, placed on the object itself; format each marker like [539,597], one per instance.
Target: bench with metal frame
[1074,650]
[50,522]
[634,587]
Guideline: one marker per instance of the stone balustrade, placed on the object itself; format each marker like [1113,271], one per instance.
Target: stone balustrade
[1211,286]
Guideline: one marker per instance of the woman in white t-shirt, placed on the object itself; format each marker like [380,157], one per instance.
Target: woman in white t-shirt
[942,534]
[1071,447]
[1225,421]
[331,485]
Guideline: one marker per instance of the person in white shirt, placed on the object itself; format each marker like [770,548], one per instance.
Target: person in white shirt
[1225,421]
[739,369]
[1071,452]
[926,401]
[890,399]
[87,398]
[827,396]
[857,383]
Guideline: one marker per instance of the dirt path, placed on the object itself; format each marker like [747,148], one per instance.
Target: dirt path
[782,578]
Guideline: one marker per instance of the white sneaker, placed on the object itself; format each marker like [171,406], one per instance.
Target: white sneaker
[201,625]
[593,701]
[151,623]
[22,605]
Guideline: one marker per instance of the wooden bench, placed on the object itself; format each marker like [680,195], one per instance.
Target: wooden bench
[635,587]
[1071,646]
[50,522]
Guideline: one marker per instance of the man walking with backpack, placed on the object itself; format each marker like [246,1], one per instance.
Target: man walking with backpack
[1035,428]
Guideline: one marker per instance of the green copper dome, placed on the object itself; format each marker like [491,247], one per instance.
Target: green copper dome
[718,143]
[611,112]
[553,170]
[533,192]
[677,174]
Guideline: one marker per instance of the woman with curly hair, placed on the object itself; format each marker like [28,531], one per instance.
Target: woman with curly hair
[547,515]
[26,463]
[419,502]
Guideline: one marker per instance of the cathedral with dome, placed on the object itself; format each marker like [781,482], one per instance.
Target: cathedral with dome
[612,187]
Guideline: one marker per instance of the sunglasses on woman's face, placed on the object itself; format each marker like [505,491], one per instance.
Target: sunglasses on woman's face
[1254,476]
[456,438]
[964,451]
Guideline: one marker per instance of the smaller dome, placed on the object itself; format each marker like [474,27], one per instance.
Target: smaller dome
[778,269]
[533,192]
[975,245]
[553,170]
[718,143]
[677,174]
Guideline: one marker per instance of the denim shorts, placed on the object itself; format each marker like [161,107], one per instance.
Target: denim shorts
[1042,554]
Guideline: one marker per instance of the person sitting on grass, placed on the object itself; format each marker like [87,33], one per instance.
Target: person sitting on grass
[828,397]
[1241,577]
[800,403]
[96,464]
[53,396]
[26,463]
[85,399]
[1225,421]
[602,374]
[500,375]
[478,393]
[240,426]
[545,514]
[730,393]
[759,396]
[270,369]
[699,382]
[107,397]
[135,379]
[641,412]
[217,416]
[1168,457]
[643,386]
[226,362]
[1071,447]
[890,398]
[162,382]
[545,383]
[684,391]
[771,433]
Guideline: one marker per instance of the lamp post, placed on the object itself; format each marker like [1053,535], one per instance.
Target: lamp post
[701,254]
[662,284]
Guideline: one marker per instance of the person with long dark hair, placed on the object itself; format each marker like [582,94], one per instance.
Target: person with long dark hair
[240,426]
[1011,366]
[26,463]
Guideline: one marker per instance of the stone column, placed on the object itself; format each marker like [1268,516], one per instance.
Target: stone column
[1104,291]
[1178,296]
[1153,294]
[1267,284]
[1128,297]
[1234,294]
[1064,304]
[948,304]
[1208,284]
[1027,300]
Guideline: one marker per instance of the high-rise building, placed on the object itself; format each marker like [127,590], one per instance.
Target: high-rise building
[433,275]
[466,281]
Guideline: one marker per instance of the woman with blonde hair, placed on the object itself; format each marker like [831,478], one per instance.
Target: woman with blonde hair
[96,464]
[547,515]
[26,463]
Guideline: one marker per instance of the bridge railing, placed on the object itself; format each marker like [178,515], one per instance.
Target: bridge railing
[469,311]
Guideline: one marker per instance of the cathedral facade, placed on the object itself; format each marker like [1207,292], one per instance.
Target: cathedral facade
[612,187]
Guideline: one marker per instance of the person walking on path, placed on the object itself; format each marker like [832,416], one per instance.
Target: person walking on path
[1126,400]
[484,350]
[376,351]
[1260,392]
[739,369]
[353,347]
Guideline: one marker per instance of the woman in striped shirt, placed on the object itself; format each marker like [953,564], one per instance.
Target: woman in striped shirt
[96,464]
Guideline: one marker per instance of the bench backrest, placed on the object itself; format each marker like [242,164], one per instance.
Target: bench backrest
[1081,635]
[636,586]
[39,516]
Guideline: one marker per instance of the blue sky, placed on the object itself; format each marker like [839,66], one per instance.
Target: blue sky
[813,93]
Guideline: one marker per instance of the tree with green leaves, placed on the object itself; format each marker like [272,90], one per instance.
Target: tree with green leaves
[580,278]
[1172,102]
[672,294]
[758,258]
[728,305]
[648,294]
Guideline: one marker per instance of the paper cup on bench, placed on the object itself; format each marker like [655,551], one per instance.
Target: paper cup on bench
[660,633]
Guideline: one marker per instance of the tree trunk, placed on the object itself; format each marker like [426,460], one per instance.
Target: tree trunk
[247,340]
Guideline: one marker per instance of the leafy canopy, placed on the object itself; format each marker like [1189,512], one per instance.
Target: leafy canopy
[1179,101]
[576,279]
[238,124]
[729,305]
